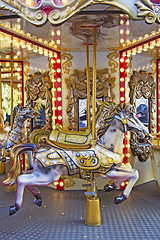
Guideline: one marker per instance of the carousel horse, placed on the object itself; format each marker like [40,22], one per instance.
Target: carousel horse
[102,157]
[17,135]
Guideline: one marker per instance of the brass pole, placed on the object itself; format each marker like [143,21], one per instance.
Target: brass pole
[94,83]
[0,89]
[88,86]
[11,85]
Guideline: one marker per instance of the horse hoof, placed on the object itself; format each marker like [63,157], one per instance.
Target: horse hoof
[13,209]
[119,199]
[38,202]
[29,168]
[109,188]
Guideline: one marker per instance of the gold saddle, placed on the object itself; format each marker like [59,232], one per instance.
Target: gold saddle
[70,137]
[65,146]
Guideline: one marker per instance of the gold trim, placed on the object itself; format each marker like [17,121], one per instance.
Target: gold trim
[112,63]
[66,64]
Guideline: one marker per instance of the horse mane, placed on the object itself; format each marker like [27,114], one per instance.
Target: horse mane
[120,108]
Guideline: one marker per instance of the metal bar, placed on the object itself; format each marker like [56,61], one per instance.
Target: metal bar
[11,85]
[94,83]
[0,89]
[88,86]
[102,12]
[4,17]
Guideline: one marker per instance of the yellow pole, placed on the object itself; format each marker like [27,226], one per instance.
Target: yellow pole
[11,85]
[0,89]
[94,83]
[88,86]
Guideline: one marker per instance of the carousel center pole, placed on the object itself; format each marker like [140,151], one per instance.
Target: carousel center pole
[93,213]
[88,86]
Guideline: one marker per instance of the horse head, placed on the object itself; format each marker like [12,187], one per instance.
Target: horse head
[125,114]
[25,112]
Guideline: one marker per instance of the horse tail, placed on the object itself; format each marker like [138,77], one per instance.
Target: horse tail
[16,167]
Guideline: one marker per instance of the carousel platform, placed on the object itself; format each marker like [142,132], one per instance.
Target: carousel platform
[62,216]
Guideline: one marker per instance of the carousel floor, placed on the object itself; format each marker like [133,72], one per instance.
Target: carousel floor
[62,215]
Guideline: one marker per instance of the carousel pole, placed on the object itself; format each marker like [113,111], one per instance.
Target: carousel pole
[93,212]
[11,85]
[0,89]
[88,85]
[94,83]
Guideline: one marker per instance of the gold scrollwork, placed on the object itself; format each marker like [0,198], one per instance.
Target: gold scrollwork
[112,63]
[66,64]
[153,66]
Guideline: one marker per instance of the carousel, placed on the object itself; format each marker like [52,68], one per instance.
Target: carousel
[79,113]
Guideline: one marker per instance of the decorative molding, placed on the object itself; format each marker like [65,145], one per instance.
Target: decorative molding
[77,85]
[149,10]
[67,57]
[153,67]
[38,86]
[142,84]
[112,63]
[57,12]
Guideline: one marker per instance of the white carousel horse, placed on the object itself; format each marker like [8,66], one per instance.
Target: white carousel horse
[17,135]
[99,158]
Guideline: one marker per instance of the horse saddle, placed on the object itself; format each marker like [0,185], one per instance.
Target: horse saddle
[65,146]
[70,137]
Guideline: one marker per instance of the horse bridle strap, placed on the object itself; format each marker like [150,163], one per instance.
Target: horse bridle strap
[124,122]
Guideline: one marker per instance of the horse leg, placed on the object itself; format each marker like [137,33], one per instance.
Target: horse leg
[36,194]
[120,174]
[40,176]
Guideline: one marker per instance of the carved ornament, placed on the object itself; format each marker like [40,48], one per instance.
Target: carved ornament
[149,10]
[112,63]
[77,85]
[66,64]
[38,86]
[57,12]
[142,84]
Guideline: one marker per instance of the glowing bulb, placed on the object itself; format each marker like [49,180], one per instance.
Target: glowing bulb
[58,70]
[61,184]
[18,53]
[58,32]
[28,2]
